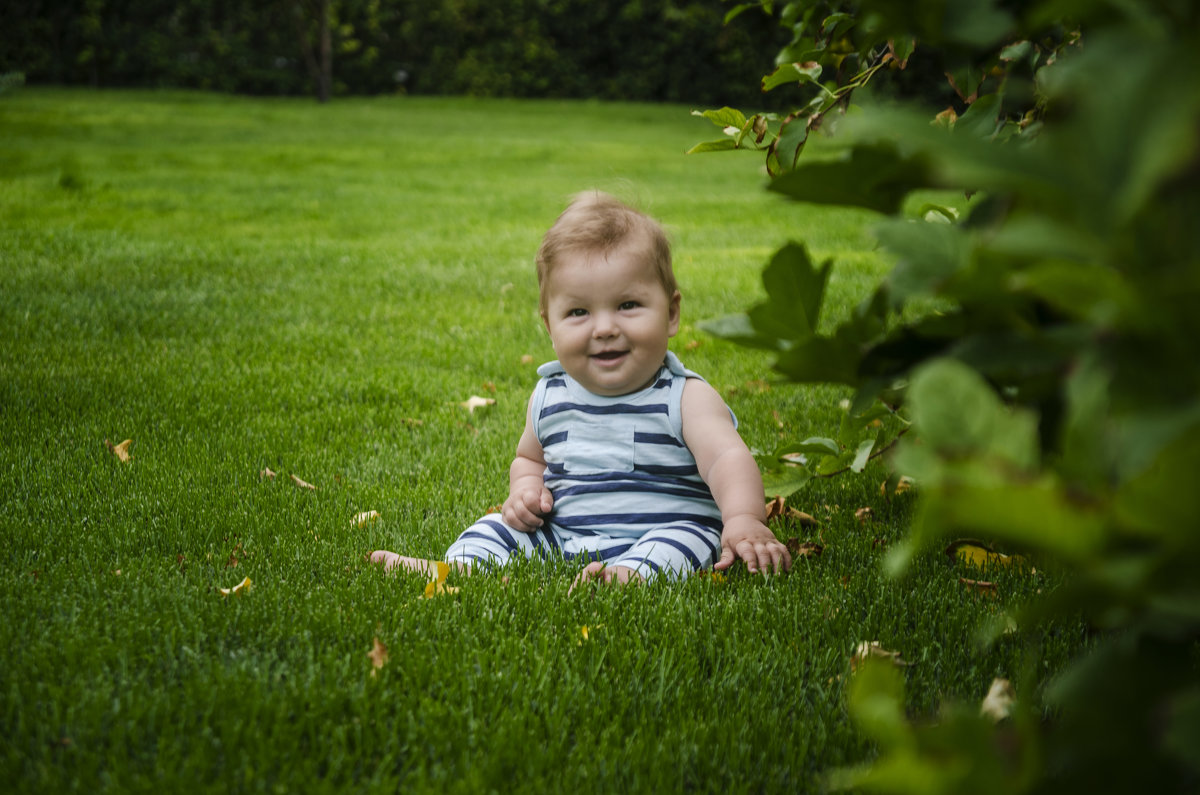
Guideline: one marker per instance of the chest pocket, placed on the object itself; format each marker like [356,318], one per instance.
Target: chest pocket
[594,449]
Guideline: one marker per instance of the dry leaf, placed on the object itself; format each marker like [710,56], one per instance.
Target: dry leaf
[870,649]
[693,345]
[864,514]
[236,590]
[805,549]
[302,484]
[527,359]
[778,507]
[266,474]
[378,655]
[980,586]
[476,402]
[980,555]
[365,518]
[998,703]
[716,577]
[121,451]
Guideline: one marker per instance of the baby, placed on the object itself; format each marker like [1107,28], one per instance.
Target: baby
[628,459]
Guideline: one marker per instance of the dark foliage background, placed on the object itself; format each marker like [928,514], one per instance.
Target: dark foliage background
[652,50]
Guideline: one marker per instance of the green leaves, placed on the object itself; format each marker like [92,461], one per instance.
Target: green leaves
[795,291]
[875,176]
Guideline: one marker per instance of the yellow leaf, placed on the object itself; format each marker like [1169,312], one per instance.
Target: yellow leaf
[121,451]
[266,474]
[437,585]
[365,518]
[864,514]
[977,554]
[476,402]
[378,655]
[302,484]
[998,703]
[527,359]
[236,590]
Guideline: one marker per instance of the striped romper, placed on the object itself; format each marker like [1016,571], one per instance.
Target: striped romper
[626,489]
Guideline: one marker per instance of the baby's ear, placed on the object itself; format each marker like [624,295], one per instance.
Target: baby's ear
[673,314]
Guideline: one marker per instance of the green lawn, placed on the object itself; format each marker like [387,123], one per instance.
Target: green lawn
[238,284]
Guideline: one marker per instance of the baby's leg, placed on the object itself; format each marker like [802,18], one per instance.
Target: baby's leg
[491,542]
[391,560]
[675,550]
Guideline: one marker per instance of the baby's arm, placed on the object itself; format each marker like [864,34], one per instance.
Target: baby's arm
[732,475]
[528,498]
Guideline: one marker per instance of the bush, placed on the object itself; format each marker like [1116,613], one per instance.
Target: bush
[1039,337]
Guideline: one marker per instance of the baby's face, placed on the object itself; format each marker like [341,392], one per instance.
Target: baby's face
[609,319]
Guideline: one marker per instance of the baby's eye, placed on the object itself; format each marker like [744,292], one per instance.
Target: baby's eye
[577,312]
[628,305]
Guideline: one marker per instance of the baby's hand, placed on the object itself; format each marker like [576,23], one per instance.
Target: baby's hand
[749,539]
[525,510]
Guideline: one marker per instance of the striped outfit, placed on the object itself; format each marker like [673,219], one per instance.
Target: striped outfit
[626,488]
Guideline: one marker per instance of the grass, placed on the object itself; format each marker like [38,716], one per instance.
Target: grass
[239,284]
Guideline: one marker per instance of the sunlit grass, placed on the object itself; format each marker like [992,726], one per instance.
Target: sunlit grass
[241,284]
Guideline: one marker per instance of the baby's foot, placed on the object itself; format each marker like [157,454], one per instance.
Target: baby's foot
[391,560]
[598,571]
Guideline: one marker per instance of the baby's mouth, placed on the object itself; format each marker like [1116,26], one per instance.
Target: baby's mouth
[608,356]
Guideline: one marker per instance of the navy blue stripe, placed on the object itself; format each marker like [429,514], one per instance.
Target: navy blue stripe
[485,537]
[682,547]
[554,438]
[616,408]
[710,542]
[656,438]
[643,477]
[653,469]
[556,381]
[556,469]
[505,536]
[661,383]
[628,488]
[647,561]
[578,523]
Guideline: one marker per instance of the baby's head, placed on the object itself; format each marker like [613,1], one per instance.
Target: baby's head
[596,223]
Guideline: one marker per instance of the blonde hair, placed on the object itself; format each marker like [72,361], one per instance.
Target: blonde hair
[597,223]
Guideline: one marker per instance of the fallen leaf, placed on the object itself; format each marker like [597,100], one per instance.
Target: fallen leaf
[904,485]
[302,484]
[266,474]
[778,507]
[236,590]
[716,577]
[866,650]
[980,586]
[476,402]
[437,585]
[864,514]
[998,703]
[365,518]
[527,359]
[121,451]
[586,633]
[805,549]
[980,555]
[378,655]
[489,386]
[693,345]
